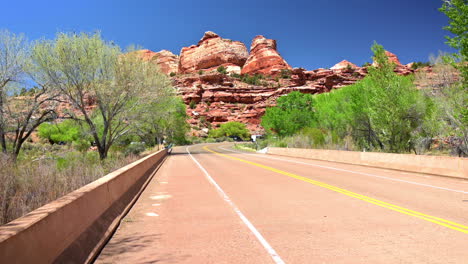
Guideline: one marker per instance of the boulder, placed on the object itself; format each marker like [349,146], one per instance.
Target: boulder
[211,52]
[264,58]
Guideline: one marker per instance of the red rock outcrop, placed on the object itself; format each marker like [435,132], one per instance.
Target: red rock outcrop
[211,52]
[391,58]
[344,64]
[264,58]
[167,61]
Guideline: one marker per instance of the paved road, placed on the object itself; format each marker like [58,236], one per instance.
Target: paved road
[219,206]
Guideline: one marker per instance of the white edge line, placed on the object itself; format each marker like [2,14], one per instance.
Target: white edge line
[355,172]
[276,258]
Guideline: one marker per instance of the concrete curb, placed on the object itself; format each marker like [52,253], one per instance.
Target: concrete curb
[437,165]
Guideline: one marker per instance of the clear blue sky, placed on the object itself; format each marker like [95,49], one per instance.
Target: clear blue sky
[310,34]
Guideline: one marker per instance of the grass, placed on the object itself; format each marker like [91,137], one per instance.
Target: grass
[39,178]
[246,147]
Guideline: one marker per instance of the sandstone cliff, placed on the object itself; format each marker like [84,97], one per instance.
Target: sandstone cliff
[264,58]
[211,52]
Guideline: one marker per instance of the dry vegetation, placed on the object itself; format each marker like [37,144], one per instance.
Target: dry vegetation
[29,184]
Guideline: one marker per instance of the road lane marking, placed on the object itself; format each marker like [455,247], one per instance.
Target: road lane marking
[276,258]
[160,197]
[152,214]
[433,219]
[355,172]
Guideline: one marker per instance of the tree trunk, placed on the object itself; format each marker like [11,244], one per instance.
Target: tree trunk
[2,139]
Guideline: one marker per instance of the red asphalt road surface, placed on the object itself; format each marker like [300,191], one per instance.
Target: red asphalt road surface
[235,207]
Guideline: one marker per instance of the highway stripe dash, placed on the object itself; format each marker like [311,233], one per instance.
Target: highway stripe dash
[433,219]
[276,258]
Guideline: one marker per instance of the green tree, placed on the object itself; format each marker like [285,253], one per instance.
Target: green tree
[163,119]
[453,98]
[292,112]
[13,59]
[66,131]
[457,12]
[84,67]
[231,129]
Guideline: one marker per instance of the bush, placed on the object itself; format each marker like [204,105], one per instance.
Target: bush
[285,74]
[235,75]
[231,129]
[417,65]
[135,148]
[172,74]
[192,104]
[66,131]
[210,140]
[200,72]
[253,79]
[222,69]
[81,145]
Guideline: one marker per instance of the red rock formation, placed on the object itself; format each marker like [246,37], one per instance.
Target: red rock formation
[264,58]
[166,60]
[391,58]
[211,52]
[344,64]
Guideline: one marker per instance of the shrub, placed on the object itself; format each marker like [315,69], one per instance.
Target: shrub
[417,65]
[231,129]
[81,145]
[253,79]
[235,75]
[285,74]
[172,74]
[222,69]
[200,72]
[192,104]
[210,140]
[135,148]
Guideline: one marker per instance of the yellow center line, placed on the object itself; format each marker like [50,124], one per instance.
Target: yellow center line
[433,219]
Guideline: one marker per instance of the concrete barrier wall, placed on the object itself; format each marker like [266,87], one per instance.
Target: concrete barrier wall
[446,166]
[73,228]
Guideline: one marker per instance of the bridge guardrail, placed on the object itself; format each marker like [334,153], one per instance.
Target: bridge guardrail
[75,227]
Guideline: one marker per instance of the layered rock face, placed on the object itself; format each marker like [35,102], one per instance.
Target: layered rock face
[264,58]
[220,98]
[167,61]
[211,52]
